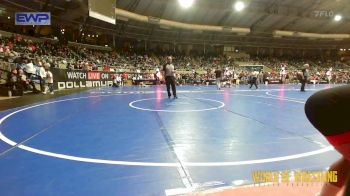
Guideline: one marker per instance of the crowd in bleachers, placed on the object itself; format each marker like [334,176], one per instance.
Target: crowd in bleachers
[31,58]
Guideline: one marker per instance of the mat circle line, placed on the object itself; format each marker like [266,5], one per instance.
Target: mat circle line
[146,164]
[131,104]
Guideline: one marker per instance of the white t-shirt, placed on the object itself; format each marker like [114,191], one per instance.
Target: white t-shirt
[118,78]
[42,72]
[283,71]
[227,72]
[49,77]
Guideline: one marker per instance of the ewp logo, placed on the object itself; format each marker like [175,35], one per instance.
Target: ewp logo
[33,18]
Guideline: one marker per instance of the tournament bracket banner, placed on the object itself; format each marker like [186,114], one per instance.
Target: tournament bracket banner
[65,79]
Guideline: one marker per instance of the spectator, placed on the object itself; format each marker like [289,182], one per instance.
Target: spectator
[13,83]
[49,79]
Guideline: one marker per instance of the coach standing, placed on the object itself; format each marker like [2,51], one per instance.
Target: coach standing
[169,73]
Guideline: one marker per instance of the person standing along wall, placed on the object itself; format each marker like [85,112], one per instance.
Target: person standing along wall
[42,76]
[169,73]
[329,75]
[304,77]
[48,79]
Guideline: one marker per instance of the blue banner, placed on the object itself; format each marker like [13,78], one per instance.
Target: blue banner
[33,18]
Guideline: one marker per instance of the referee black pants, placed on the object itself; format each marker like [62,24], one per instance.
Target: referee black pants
[170,81]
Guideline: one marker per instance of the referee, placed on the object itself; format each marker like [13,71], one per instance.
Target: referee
[169,73]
